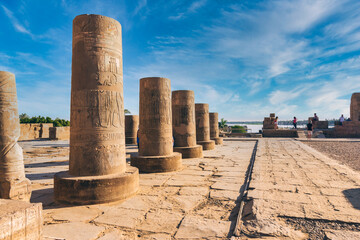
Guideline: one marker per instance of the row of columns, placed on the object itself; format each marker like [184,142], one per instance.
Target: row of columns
[170,125]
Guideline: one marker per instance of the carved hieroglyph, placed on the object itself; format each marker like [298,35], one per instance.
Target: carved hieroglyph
[97,112]
[183,112]
[355,107]
[214,125]
[202,122]
[214,128]
[13,184]
[131,128]
[155,117]
[155,128]
[203,126]
[97,171]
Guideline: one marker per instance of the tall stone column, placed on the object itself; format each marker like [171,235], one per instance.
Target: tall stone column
[131,128]
[155,131]
[97,171]
[184,125]
[355,107]
[13,183]
[203,126]
[214,128]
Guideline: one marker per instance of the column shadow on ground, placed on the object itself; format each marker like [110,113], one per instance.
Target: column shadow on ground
[353,196]
[47,164]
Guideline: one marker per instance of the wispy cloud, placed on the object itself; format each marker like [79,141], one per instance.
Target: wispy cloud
[15,22]
[189,10]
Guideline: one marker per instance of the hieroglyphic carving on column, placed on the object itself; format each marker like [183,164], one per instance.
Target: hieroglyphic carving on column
[214,125]
[183,111]
[13,183]
[97,137]
[155,117]
[202,122]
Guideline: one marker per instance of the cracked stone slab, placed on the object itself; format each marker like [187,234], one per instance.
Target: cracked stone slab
[341,235]
[161,221]
[127,218]
[198,227]
[73,231]
[74,214]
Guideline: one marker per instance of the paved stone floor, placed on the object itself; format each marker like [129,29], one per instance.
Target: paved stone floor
[292,183]
[198,202]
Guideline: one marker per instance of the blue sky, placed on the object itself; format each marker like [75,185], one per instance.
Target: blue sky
[245,58]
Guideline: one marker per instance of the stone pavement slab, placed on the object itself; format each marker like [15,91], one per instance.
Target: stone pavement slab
[290,179]
[165,204]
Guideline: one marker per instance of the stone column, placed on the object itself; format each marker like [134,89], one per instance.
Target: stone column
[355,107]
[98,171]
[214,128]
[203,126]
[131,128]
[13,183]
[184,125]
[155,131]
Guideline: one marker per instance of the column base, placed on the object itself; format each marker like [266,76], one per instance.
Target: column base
[207,145]
[190,152]
[81,190]
[16,189]
[218,140]
[153,164]
[130,140]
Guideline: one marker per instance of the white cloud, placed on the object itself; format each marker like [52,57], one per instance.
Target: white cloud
[15,22]
[190,10]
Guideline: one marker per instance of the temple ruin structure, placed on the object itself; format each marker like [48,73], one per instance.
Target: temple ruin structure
[131,128]
[203,126]
[97,165]
[184,124]
[214,128]
[155,128]
[13,183]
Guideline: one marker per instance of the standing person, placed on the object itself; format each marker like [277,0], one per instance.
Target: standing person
[276,122]
[309,129]
[341,119]
[295,122]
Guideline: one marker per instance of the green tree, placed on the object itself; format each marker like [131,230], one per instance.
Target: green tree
[127,111]
[222,123]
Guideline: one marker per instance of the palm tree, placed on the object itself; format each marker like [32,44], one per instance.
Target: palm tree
[126,111]
[222,123]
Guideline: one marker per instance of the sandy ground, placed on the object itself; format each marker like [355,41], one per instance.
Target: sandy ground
[347,153]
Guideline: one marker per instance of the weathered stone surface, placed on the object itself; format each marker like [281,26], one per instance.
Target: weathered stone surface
[74,214]
[203,126]
[355,107]
[155,130]
[59,133]
[118,235]
[197,227]
[95,189]
[97,141]
[214,128]
[121,217]
[13,183]
[224,194]
[184,124]
[164,221]
[20,220]
[131,128]
[341,235]
[73,230]
[97,171]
